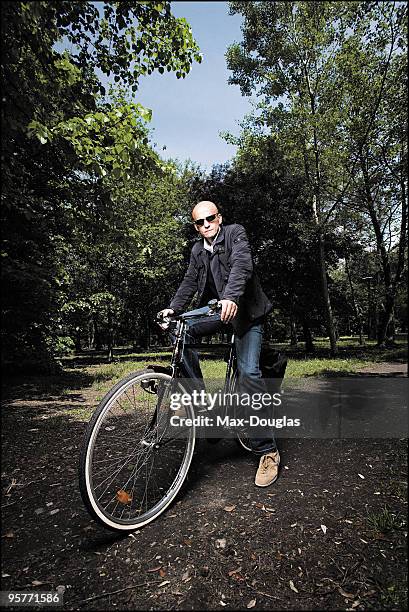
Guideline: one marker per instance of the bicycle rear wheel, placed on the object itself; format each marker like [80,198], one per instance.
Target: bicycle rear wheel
[132,465]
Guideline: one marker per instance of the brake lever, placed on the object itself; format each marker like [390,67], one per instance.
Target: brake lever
[163,322]
[213,305]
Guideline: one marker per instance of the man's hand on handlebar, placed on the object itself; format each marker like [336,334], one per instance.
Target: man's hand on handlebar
[163,318]
[229,310]
[166,312]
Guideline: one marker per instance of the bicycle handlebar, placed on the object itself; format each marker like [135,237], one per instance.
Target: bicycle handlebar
[211,308]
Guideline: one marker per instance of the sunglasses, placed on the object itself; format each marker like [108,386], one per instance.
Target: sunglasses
[209,219]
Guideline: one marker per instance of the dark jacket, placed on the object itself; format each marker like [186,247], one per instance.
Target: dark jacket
[232,267]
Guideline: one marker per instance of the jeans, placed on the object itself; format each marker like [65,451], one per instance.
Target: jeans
[248,349]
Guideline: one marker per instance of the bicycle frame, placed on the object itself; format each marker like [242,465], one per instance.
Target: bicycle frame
[178,353]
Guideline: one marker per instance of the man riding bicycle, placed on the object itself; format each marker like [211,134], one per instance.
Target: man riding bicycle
[221,267]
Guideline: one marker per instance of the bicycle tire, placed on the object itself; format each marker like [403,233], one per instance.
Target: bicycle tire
[126,433]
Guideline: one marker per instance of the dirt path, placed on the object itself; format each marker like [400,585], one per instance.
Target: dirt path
[386,368]
[330,534]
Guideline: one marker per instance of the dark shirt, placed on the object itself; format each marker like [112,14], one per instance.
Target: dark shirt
[210,291]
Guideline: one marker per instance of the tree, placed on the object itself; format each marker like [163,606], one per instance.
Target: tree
[330,75]
[286,54]
[65,140]
[124,268]
[372,85]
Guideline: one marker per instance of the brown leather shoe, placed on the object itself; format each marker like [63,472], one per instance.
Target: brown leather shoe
[267,472]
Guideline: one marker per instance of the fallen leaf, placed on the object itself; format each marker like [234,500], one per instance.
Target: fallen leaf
[187,542]
[123,497]
[54,511]
[8,534]
[229,508]
[251,603]
[38,582]
[5,575]
[292,587]
[360,476]
[222,603]
[162,573]
[162,584]
[324,528]
[221,543]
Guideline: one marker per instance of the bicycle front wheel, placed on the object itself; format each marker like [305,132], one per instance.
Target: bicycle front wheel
[132,465]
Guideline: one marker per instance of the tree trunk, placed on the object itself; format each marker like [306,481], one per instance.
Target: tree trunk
[309,345]
[91,333]
[360,332]
[97,337]
[148,336]
[78,347]
[355,306]
[316,184]
[386,318]
[327,301]
[293,332]
[110,339]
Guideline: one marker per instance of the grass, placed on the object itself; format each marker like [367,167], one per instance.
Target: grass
[384,520]
[95,378]
[320,367]
[216,368]
[104,376]
[394,597]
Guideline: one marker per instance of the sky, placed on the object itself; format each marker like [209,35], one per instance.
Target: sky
[189,113]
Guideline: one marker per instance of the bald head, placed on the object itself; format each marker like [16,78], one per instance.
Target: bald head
[209,219]
[200,209]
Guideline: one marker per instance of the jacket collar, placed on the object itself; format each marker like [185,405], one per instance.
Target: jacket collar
[216,243]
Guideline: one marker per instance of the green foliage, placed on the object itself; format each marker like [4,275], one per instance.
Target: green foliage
[69,149]
[64,346]
[331,79]
[123,271]
[121,41]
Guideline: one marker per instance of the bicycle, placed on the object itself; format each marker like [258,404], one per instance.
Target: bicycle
[130,471]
